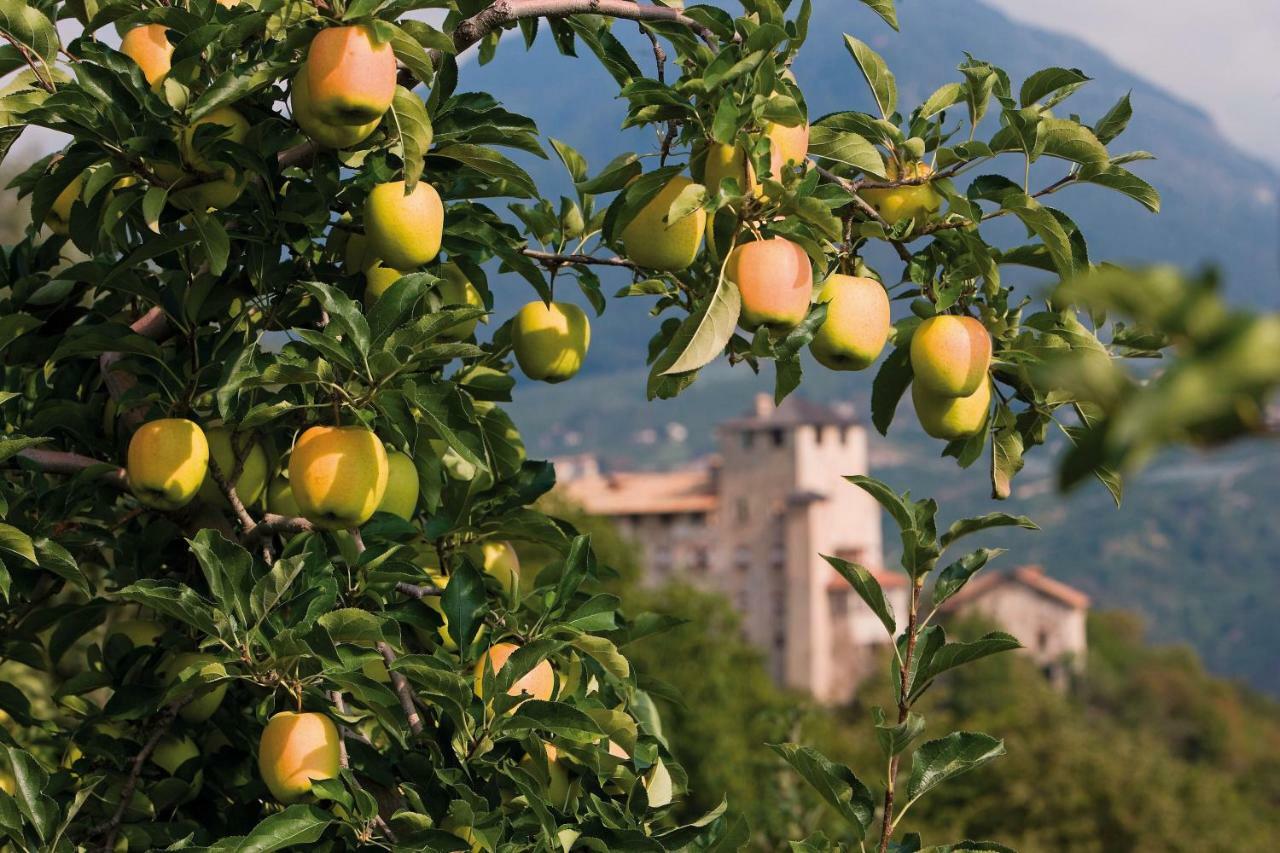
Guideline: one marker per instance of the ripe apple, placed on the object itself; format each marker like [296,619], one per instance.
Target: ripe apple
[401,495]
[404,230]
[170,754]
[206,701]
[280,498]
[59,216]
[325,133]
[648,240]
[295,750]
[918,201]
[338,475]
[558,783]
[168,460]
[455,290]
[377,281]
[951,418]
[729,161]
[775,279]
[140,632]
[789,146]
[537,683]
[148,46]
[253,471]
[351,76]
[950,355]
[857,323]
[550,341]
[501,561]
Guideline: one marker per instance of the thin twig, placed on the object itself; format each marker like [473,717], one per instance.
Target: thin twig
[112,826]
[551,259]
[904,709]
[418,591]
[272,523]
[228,488]
[471,30]
[403,691]
[152,324]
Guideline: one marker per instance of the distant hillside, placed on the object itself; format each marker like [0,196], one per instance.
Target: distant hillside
[1220,203]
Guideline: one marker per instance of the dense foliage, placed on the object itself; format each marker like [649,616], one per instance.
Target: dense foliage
[291,619]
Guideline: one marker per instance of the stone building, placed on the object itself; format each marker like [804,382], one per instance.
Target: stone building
[753,523]
[1045,615]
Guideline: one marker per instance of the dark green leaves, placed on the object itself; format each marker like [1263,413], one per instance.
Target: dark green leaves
[710,334]
[945,758]
[297,824]
[836,783]
[30,781]
[885,9]
[1048,81]
[967,526]
[955,576]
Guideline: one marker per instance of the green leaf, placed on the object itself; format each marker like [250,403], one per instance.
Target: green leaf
[410,52]
[967,526]
[353,625]
[54,558]
[555,717]
[573,161]
[463,604]
[29,782]
[227,568]
[893,503]
[1115,121]
[14,326]
[30,27]
[936,761]
[1124,181]
[970,847]
[1044,225]
[896,737]
[891,382]
[884,8]
[943,97]
[868,589]
[10,447]
[179,601]
[491,163]
[1048,81]
[297,824]
[1006,459]
[1070,140]
[213,239]
[344,314]
[14,541]
[605,653]
[414,126]
[616,175]
[956,575]
[271,588]
[936,659]
[710,334]
[874,70]
[836,784]
[843,146]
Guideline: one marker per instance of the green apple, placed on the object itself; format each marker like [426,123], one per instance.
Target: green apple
[455,290]
[206,702]
[253,471]
[377,281]
[950,355]
[168,460]
[404,230]
[280,498]
[951,418]
[650,241]
[401,495]
[550,341]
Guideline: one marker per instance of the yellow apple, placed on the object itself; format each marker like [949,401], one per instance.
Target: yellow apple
[338,475]
[172,752]
[558,783]
[401,494]
[295,750]
[648,239]
[729,161]
[950,355]
[232,126]
[354,251]
[377,281]
[951,418]
[148,46]
[789,146]
[140,632]
[501,561]
[324,133]
[351,76]
[59,217]
[857,323]
[205,702]
[404,230]
[537,683]
[168,460]
[280,498]
[550,341]
[775,280]
[455,290]
[920,202]
[253,471]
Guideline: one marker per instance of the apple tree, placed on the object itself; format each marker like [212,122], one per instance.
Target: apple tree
[260,493]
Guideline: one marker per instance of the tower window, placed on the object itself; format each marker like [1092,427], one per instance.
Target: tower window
[1042,640]
[748,438]
[818,432]
[778,437]
[742,510]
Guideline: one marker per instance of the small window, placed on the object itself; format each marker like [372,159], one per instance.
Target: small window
[748,438]
[742,558]
[742,510]
[818,432]
[1042,640]
[844,434]
[839,599]
[779,641]
[667,519]
[778,437]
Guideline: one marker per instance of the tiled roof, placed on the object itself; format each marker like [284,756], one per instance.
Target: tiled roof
[688,490]
[1029,576]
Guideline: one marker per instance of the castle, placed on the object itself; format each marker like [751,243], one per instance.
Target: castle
[753,522]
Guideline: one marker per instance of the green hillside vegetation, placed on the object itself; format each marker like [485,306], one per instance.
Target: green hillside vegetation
[1146,752]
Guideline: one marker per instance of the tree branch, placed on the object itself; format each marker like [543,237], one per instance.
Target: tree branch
[865,209]
[154,325]
[424,591]
[228,488]
[272,523]
[551,259]
[403,691]
[61,462]
[112,826]
[502,12]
